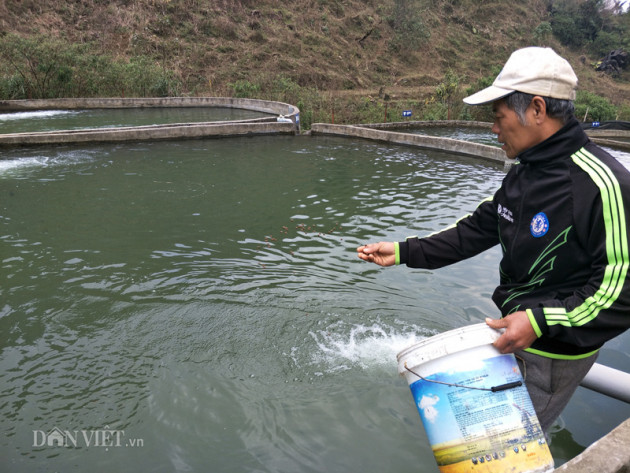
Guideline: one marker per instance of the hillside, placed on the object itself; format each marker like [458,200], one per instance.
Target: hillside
[398,49]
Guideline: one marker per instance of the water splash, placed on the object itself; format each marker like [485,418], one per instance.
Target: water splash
[342,346]
[22,163]
[33,114]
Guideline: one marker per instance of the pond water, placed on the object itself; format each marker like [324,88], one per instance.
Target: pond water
[198,305]
[53,120]
[474,134]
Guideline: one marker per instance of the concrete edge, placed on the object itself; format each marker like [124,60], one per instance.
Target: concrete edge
[154,133]
[607,133]
[141,127]
[466,148]
[286,120]
[600,137]
[611,143]
[427,123]
[607,455]
[265,106]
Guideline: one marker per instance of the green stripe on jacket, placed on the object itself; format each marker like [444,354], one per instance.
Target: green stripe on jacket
[616,247]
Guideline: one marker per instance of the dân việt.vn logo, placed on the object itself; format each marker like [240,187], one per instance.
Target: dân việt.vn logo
[105,437]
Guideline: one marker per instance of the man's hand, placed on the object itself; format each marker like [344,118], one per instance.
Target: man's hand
[382,253]
[519,333]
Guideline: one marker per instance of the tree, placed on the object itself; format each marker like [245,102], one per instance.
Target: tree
[597,25]
[576,23]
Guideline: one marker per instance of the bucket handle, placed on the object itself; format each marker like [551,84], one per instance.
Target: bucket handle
[494,389]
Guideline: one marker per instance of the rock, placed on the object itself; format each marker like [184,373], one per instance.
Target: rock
[614,62]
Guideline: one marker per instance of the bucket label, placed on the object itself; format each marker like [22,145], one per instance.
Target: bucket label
[480,430]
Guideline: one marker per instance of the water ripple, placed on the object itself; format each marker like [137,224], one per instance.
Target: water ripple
[186,294]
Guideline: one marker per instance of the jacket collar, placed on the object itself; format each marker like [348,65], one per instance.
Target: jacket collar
[562,144]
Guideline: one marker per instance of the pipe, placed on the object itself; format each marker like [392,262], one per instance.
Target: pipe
[608,381]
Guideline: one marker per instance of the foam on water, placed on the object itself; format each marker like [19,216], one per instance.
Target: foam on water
[622,156]
[341,347]
[35,114]
[12,164]
[15,167]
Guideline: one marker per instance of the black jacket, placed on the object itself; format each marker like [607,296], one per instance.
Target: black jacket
[562,216]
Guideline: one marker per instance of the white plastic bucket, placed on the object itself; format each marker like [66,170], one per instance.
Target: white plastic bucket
[474,406]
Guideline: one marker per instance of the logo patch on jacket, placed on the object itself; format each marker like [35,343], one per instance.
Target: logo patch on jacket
[539,225]
[505,213]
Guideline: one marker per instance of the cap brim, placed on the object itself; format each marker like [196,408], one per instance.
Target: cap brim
[487,95]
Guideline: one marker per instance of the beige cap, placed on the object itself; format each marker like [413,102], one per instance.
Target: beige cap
[536,71]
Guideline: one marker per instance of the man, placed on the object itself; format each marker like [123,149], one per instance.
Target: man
[561,217]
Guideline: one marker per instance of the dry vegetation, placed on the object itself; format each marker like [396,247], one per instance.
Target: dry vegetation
[341,48]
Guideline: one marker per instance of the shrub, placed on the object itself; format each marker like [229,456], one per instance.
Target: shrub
[591,107]
[447,91]
[624,113]
[12,87]
[245,89]
[410,31]
[41,67]
[542,32]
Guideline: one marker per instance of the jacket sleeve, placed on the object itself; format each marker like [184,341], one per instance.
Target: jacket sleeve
[468,237]
[599,310]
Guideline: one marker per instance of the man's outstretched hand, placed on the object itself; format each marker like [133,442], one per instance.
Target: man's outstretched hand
[382,253]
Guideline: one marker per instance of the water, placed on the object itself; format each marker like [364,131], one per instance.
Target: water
[198,305]
[53,120]
[474,134]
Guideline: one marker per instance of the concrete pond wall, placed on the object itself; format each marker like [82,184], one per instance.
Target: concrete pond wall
[618,139]
[284,119]
[380,133]
[610,454]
